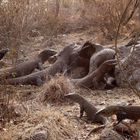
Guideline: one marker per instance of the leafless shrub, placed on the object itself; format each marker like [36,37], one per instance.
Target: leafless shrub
[105,16]
[19,18]
[7,108]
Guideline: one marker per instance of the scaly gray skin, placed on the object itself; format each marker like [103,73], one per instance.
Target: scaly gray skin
[28,67]
[81,56]
[88,49]
[96,78]
[3,52]
[100,57]
[38,78]
[86,107]
[122,112]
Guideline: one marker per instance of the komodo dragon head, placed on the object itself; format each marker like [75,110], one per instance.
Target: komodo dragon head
[88,49]
[74,97]
[46,54]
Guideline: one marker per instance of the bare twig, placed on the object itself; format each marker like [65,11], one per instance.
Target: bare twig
[133,11]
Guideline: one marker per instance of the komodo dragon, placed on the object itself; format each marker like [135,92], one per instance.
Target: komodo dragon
[38,78]
[86,107]
[98,58]
[96,78]
[3,52]
[122,112]
[59,66]
[28,67]
[88,49]
[81,56]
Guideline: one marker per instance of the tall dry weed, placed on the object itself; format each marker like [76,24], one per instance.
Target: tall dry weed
[51,17]
[105,15]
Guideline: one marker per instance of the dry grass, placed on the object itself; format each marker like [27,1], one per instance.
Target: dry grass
[7,111]
[107,16]
[22,19]
[56,88]
[11,99]
[57,126]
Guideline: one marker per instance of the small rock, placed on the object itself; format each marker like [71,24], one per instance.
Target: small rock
[102,103]
[109,92]
[41,135]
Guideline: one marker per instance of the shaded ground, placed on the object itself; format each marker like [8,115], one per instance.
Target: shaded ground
[35,113]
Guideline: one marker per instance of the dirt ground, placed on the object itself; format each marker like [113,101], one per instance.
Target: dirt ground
[35,113]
